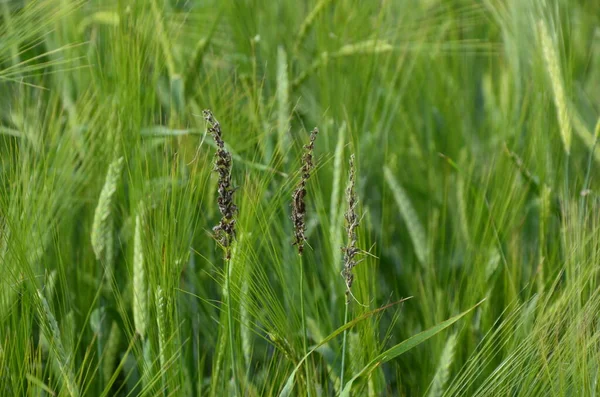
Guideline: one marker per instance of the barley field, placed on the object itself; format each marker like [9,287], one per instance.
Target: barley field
[299,198]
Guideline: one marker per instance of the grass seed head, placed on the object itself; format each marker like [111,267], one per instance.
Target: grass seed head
[552,60]
[299,195]
[224,232]
[102,228]
[352,221]
[140,285]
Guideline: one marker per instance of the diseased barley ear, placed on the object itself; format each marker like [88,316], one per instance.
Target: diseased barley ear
[352,221]
[224,232]
[299,195]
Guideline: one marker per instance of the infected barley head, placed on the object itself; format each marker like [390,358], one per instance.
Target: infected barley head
[352,220]
[224,232]
[299,195]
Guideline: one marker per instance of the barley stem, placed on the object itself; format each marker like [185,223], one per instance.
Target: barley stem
[230,322]
[586,182]
[344,345]
[303,314]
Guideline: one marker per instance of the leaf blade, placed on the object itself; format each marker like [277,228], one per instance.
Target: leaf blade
[403,347]
[289,384]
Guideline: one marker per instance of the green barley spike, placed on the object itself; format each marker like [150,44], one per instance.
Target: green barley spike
[102,226]
[140,288]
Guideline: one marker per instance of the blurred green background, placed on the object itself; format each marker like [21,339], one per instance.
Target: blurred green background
[474,126]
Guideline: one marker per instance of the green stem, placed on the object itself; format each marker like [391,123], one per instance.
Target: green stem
[230,324]
[586,182]
[344,347]
[304,324]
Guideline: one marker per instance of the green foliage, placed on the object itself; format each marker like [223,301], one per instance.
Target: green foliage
[474,126]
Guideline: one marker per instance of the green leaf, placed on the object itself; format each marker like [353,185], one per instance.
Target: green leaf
[289,384]
[402,348]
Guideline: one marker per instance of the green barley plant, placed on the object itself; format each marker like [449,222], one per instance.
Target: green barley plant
[442,372]
[283,107]
[413,224]
[554,71]
[225,231]
[53,335]
[474,129]
[103,227]
[140,289]
[299,220]
[350,250]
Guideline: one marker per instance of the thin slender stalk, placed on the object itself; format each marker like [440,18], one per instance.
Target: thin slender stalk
[303,314]
[588,171]
[344,346]
[230,323]
[100,337]
[298,217]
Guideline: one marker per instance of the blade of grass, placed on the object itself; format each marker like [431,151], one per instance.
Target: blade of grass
[289,384]
[403,347]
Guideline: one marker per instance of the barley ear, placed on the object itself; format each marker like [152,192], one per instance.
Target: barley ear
[356,352]
[140,288]
[52,333]
[335,209]
[299,196]
[161,322]
[413,224]
[554,71]
[367,47]
[102,227]
[442,373]
[225,232]
[112,351]
[283,107]
[352,220]
[309,21]
[462,208]
[245,330]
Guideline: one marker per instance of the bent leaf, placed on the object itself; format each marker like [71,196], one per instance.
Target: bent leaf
[402,348]
[289,384]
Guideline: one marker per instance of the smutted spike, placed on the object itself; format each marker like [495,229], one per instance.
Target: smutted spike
[299,195]
[224,232]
